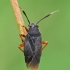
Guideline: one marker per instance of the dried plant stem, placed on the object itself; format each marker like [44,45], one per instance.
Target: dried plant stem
[18,16]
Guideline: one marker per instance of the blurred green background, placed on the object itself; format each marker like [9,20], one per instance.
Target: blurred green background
[54,29]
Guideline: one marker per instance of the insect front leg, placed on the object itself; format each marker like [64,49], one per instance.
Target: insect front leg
[22,36]
[44,42]
[26,28]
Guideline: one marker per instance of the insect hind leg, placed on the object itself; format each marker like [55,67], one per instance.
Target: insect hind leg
[44,42]
[20,47]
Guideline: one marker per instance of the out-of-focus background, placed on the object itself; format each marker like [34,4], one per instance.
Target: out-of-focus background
[54,29]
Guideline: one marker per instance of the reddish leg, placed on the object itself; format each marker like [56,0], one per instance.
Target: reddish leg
[44,42]
[26,28]
[22,36]
[20,47]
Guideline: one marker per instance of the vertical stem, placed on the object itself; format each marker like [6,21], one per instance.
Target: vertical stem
[18,16]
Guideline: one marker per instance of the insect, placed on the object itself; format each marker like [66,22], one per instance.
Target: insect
[33,43]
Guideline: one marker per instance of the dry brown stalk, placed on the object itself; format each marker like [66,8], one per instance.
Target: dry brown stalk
[18,16]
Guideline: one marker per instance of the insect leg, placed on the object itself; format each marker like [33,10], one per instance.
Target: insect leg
[26,28]
[22,36]
[20,47]
[44,42]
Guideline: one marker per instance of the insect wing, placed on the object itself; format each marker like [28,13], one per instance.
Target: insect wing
[38,48]
[27,50]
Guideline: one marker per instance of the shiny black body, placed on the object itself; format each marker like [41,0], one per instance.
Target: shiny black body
[33,45]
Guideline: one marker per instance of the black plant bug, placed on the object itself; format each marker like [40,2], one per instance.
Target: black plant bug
[33,43]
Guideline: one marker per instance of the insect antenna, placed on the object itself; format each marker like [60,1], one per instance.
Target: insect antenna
[26,16]
[24,13]
[47,16]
